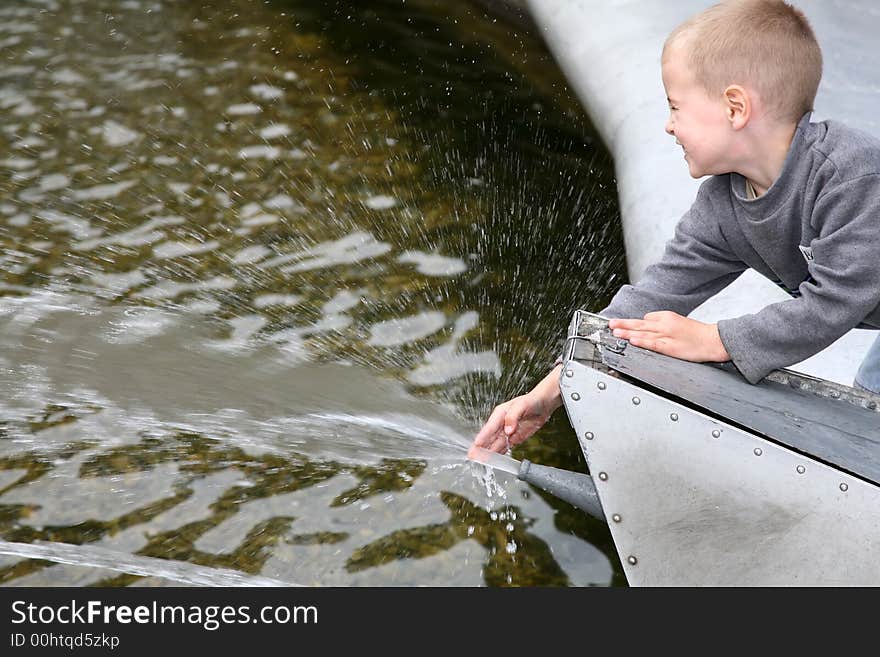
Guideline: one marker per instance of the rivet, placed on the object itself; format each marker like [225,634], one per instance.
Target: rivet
[603,476]
[616,517]
[716,433]
[569,373]
[575,396]
[601,385]
[636,401]
[844,487]
[673,417]
[758,451]
[801,469]
[835,394]
[872,405]
[632,560]
[589,435]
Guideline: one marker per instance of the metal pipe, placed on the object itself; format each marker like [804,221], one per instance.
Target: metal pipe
[573,487]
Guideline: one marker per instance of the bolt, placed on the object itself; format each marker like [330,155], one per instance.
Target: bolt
[872,405]
[601,385]
[674,417]
[716,433]
[844,487]
[632,560]
[801,469]
[758,451]
[589,435]
[616,517]
[636,401]
[575,396]
[569,373]
[603,476]
[835,394]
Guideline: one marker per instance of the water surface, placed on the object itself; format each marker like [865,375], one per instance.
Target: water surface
[266,266]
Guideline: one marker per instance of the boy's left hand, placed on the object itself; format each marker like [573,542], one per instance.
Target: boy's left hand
[671,334]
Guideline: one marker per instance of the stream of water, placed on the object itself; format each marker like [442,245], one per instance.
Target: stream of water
[265,267]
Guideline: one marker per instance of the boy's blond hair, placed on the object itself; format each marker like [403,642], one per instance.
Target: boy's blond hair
[766,45]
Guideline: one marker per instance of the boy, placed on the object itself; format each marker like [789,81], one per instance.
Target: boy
[797,201]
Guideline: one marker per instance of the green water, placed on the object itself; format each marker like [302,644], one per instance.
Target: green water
[266,266]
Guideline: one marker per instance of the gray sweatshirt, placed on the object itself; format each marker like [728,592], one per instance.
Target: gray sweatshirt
[815,232]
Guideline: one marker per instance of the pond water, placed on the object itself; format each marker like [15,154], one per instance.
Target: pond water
[266,267]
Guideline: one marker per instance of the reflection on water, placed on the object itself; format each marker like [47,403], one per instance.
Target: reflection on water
[265,266]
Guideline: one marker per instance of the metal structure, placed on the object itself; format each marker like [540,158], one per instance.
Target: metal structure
[707,480]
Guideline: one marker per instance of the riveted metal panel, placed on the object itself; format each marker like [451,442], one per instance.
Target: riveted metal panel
[800,413]
[695,501]
[836,424]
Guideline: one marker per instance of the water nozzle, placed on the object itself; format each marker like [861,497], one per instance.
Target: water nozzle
[573,487]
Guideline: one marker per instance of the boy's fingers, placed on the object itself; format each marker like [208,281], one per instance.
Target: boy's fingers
[623,323]
[486,436]
[500,445]
[658,345]
[632,334]
[632,324]
[644,343]
[512,417]
[493,425]
[498,433]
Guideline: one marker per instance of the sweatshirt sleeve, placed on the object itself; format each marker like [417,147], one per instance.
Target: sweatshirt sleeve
[843,287]
[696,264]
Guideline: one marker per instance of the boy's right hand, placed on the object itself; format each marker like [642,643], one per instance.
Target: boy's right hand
[516,420]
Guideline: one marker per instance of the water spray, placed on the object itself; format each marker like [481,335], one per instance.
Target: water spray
[575,488]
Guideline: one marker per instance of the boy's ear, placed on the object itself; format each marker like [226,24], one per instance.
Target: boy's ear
[737,106]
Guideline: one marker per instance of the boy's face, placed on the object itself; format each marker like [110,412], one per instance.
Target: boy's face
[697,121]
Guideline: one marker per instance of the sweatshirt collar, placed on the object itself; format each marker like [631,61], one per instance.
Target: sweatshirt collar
[768,203]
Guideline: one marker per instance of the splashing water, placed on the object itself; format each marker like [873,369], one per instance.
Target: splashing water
[494,460]
[485,464]
[255,296]
[175,572]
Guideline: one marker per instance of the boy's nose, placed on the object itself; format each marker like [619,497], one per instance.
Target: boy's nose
[668,127]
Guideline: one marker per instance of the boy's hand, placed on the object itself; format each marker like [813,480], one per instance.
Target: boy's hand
[671,334]
[511,423]
[516,420]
